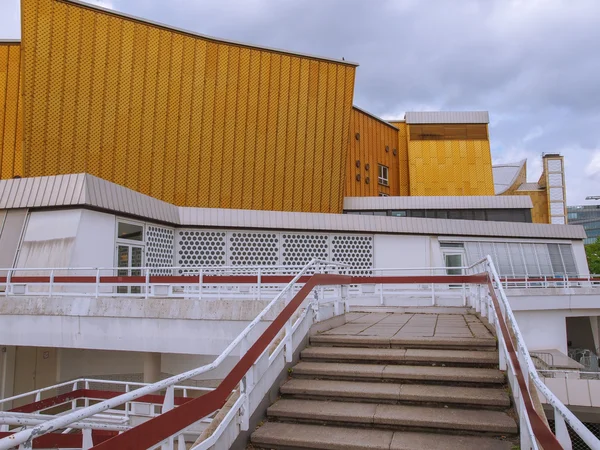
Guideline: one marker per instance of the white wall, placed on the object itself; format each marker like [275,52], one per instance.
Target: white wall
[95,240]
[77,363]
[543,330]
[402,251]
[580,258]
[49,238]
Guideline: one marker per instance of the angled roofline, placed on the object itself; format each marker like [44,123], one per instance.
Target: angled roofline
[203,36]
[514,178]
[385,122]
[87,191]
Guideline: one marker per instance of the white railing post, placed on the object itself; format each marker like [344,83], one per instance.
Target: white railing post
[289,348]
[432,294]
[200,279]
[74,402]
[259,283]
[561,431]
[8,283]
[181,442]
[50,288]
[87,400]
[147,283]
[464,294]
[381,300]
[97,287]
[87,441]
[245,409]
[169,401]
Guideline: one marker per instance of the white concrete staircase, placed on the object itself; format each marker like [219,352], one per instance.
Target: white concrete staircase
[374,392]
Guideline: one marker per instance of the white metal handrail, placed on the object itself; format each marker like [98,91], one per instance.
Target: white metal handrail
[74,384]
[562,414]
[25,437]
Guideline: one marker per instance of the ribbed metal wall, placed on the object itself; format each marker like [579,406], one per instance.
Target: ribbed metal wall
[403,158]
[368,140]
[183,118]
[11,137]
[450,167]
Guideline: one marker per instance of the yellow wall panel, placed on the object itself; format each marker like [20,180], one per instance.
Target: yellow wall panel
[187,119]
[11,158]
[402,158]
[449,167]
[370,149]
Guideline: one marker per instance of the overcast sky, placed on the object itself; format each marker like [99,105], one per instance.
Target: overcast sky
[533,64]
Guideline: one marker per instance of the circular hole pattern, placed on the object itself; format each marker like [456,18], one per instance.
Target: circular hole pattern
[300,249]
[159,248]
[356,251]
[200,248]
[254,249]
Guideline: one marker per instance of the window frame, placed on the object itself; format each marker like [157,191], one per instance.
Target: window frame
[383,175]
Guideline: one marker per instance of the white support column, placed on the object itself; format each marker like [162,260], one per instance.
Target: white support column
[595,324]
[152,367]
[7,372]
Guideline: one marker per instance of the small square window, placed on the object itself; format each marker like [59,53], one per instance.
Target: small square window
[383,175]
[383,194]
[130,231]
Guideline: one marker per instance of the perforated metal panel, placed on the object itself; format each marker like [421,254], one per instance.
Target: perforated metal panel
[160,248]
[253,249]
[197,248]
[555,179]
[556,194]
[356,251]
[300,249]
[554,165]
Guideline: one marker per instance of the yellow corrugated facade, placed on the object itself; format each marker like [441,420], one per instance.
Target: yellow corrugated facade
[402,157]
[371,142]
[11,121]
[450,167]
[183,118]
[197,121]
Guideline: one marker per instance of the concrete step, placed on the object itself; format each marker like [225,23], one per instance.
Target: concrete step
[396,393]
[273,435]
[353,371]
[455,343]
[394,416]
[401,356]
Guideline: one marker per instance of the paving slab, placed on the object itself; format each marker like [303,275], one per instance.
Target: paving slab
[338,370]
[450,356]
[354,354]
[429,393]
[441,374]
[358,413]
[394,415]
[349,341]
[343,389]
[443,342]
[297,435]
[479,420]
[392,392]
[432,441]
[397,372]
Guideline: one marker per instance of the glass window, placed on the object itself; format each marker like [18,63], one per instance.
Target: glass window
[130,231]
[383,175]
[417,213]
[399,213]
[383,194]
[442,214]
[453,263]
[379,213]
